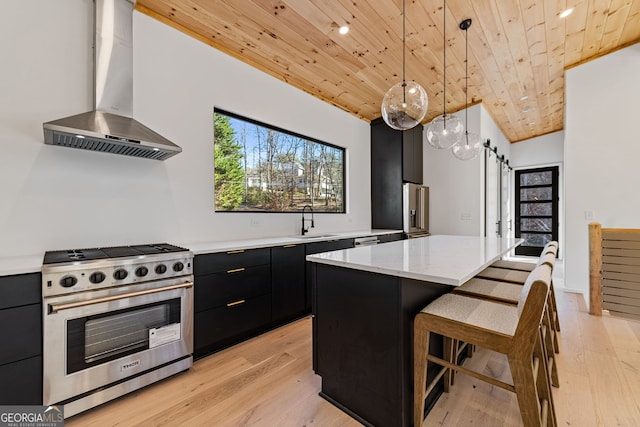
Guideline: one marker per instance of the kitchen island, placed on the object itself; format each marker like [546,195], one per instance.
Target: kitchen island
[364,301]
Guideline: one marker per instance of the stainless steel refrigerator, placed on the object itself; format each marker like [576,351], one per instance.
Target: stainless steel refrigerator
[415,210]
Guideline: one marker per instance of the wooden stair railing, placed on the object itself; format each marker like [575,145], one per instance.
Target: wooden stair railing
[614,271]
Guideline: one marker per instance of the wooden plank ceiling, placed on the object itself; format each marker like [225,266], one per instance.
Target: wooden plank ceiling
[518,50]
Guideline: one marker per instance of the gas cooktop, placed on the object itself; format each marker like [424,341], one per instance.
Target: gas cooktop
[75,255]
[80,270]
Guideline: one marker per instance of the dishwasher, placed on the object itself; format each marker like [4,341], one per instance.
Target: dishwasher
[366,241]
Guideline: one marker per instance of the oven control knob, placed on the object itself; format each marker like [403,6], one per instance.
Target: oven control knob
[161,269]
[178,266]
[68,281]
[97,277]
[141,271]
[120,274]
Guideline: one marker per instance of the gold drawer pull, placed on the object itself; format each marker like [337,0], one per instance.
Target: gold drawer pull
[289,246]
[235,270]
[231,304]
[235,252]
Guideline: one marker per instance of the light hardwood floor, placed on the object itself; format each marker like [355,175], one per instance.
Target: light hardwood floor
[268,381]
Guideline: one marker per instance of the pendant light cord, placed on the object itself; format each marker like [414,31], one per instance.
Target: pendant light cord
[444,46]
[404,82]
[466,89]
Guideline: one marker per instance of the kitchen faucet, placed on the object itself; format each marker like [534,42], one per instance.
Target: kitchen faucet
[304,230]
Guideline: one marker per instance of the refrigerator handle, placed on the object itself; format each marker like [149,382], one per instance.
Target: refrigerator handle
[421,207]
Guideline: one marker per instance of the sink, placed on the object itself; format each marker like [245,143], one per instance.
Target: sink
[315,236]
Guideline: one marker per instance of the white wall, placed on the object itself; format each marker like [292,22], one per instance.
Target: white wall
[540,151]
[455,186]
[490,130]
[601,152]
[56,198]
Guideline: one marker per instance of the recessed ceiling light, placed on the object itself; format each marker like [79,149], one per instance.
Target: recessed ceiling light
[524,98]
[344,29]
[566,13]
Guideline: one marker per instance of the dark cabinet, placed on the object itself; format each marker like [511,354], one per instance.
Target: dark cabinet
[288,294]
[361,329]
[232,287]
[232,295]
[20,289]
[240,294]
[226,325]
[316,248]
[412,155]
[386,176]
[328,246]
[389,237]
[22,382]
[230,260]
[396,157]
[21,335]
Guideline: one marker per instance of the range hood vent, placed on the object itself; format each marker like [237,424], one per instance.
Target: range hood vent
[110,133]
[110,127]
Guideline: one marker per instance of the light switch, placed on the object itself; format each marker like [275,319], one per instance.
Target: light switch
[588,215]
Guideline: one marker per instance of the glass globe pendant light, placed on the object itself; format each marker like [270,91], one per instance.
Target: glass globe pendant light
[446,130]
[405,104]
[469,147]
[471,144]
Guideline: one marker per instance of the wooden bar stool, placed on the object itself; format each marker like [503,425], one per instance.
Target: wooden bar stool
[510,330]
[518,275]
[482,287]
[524,266]
[507,291]
[510,293]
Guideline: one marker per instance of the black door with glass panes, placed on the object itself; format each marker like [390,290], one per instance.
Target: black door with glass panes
[536,201]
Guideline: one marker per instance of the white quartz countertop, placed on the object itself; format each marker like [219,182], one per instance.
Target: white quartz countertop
[450,260]
[33,263]
[232,245]
[21,264]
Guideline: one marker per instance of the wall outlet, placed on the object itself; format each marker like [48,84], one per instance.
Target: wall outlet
[465,216]
[588,215]
[254,223]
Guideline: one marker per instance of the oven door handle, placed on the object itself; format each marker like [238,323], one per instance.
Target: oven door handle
[54,308]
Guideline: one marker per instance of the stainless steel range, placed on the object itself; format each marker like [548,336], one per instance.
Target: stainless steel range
[115,319]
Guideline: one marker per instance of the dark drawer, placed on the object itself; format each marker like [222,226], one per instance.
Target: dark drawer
[328,246]
[220,326]
[20,333]
[223,261]
[213,290]
[390,237]
[21,289]
[22,382]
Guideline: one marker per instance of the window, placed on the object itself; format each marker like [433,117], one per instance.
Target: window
[261,168]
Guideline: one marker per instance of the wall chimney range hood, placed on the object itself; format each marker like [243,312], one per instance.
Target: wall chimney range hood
[110,127]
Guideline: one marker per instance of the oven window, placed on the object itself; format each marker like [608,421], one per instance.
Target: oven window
[100,338]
